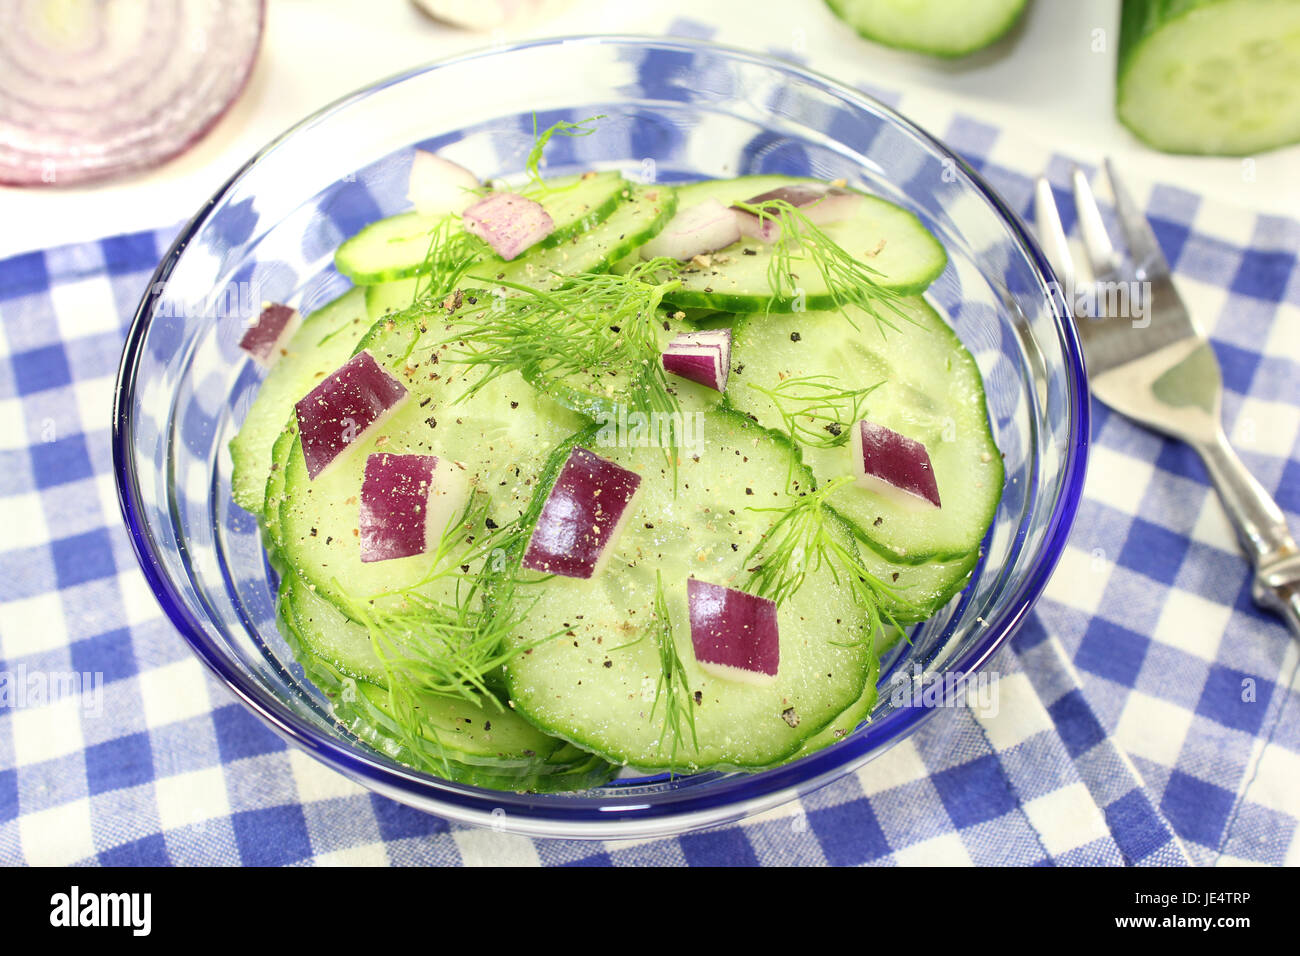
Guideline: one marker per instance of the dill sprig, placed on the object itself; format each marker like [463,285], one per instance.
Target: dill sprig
[438,636]
[815,410]
[562,128]
[451,254]
[803,541]
[597,326]
[672,687]
[849,280]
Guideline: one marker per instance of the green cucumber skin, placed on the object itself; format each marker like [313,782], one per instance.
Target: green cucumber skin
[560,769]
[325,336]
[985,40]
[1140,22]
[691,296]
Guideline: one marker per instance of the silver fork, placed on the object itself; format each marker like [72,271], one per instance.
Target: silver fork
[1147,360]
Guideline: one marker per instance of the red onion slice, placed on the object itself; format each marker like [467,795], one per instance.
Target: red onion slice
[734,633]
[703,357]
[343,408]
[510,223]
[695,231]
[895,466]
[267,337]
[585,511]
[92,89]
[439,186]
[821,204]
[407,501]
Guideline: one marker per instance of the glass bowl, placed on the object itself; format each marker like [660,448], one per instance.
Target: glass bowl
[674,110]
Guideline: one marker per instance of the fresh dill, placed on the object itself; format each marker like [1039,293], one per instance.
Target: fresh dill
[671,688]
[815,410]
[452,252]
[440,636]
[803,541]
[596,332]
[848,279]
[540,139]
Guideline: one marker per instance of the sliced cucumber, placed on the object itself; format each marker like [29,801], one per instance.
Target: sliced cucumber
[484,745]
[396,247]
[928,389]
[502,436]
[884,236]
[636,221]
[595,684]
[947,28]
[578,203]
[323,342]
[1219,77]
[607,394]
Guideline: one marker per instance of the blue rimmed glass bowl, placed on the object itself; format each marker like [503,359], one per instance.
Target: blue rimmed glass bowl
[674,110]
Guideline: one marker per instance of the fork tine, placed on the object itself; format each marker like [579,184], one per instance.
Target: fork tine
[1105,261]
[1051,233]
[1143,248]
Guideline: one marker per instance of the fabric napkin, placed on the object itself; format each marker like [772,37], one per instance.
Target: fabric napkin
[1146,713]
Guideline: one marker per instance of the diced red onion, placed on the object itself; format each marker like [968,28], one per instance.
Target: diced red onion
[734,633]
[92,90]
[894,466]
[407,502]
[695,231]
[510,223]
[703,357]
[438,185]
[343,408]
[585,511]
[267,337]
[821,204]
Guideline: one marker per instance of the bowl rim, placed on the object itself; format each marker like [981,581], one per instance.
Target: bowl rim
[580,816]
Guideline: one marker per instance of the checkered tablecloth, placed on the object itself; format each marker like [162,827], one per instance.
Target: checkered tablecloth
[1147,712]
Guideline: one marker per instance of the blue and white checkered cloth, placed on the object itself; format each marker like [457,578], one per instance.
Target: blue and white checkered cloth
[1147,712]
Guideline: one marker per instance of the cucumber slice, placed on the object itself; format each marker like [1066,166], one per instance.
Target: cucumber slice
[1217,77]
[889,238]
[929,390]
[636,221]
[396,247]
[595,684]
[502,436]
[606,394]
[483,745]
[323,342]
[947,28]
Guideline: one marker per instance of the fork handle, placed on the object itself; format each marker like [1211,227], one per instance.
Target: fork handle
[1262,528]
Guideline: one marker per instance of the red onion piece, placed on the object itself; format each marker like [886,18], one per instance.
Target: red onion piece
[821,204]
[585,511]
[438,185]
[508,222]
[734,633]
[91,90]
[407,502]
[695,231]
[343,408]
[894,466]
[267,337]
[703,357]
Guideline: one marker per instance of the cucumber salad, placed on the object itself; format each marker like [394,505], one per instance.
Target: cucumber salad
[586,476]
